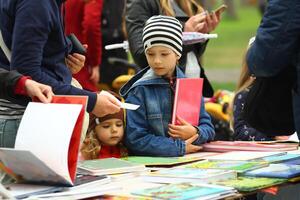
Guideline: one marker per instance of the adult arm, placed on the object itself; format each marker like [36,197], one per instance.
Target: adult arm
[137,13]
[34,34]
[8,81]
[277,38]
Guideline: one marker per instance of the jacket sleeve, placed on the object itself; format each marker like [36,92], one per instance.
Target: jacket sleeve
[277,38]
[206,128]
[137,13]
[34,34]
[8,80]
[242,131]
[139,140]
[92,31]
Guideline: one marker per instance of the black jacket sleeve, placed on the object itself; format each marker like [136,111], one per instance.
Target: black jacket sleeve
[137,13]
[8,80]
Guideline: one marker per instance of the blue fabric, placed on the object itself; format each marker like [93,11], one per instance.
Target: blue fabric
[242,130]
[147,127]
[277,46]
[33,30]
[8,132]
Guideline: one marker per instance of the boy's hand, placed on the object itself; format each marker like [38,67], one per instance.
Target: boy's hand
[37,90]
[189,147]
[183,131]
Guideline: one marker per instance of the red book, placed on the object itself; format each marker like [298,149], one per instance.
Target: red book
[47,143]
[187,100]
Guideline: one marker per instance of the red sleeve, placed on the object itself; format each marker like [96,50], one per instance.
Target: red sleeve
[20,86]
[92,31]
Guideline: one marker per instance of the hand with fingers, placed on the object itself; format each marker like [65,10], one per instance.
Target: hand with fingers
[37,90]
[75,62]
[106,104]
[189,147]
[182,131]
[195,23]
[203,22]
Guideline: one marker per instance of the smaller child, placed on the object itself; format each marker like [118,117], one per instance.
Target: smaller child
[104,137]
[148,129]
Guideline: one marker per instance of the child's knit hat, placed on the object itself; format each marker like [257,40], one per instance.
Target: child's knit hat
[165,31]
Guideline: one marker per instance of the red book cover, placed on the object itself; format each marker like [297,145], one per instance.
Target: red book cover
[47,143]
[75,139]
[187,100]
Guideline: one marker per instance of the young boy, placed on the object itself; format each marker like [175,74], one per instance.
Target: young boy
[148,131]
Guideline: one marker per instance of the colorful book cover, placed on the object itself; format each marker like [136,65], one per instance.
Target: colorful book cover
[244,155]
[161,161]
[276,171]
[225,146]
[187,100]
[280,158]
[108,166]
[182,191]
[249,184]
[238,166]
[190,175]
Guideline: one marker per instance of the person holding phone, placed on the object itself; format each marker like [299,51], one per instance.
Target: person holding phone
[193,18]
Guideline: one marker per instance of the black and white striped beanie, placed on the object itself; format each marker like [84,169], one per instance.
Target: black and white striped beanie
[165,31]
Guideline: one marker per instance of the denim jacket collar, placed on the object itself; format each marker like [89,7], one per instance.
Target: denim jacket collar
[146,77]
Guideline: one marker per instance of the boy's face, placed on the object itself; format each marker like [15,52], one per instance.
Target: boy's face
[162,60]
[110,132]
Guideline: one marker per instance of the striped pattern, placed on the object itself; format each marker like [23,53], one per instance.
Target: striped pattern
[163,31]
[9,110]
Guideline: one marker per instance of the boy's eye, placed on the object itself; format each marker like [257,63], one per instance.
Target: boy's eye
[105,126]
[164,54]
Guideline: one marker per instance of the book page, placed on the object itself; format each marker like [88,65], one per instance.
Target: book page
[45,130]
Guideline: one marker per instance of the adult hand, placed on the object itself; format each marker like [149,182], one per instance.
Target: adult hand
[183,131]
[212,20]
[37,90]
[195,23]
[189,147]
[95,75]
[75,62]
[106,104]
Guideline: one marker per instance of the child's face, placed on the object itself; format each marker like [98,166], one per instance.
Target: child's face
[110,132]
[162,60]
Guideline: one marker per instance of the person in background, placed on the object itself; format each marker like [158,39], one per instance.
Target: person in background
[113,33]
[193,18]
[33,30]
[13,84]
[104,137]
[148,131]
[277,46]
[242,130]
[83,18]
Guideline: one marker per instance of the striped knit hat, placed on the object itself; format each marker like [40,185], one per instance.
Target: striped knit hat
[165,31]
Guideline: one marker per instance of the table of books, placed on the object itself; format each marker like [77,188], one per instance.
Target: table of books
[204,175]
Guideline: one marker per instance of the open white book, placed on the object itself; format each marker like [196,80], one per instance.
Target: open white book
[47,143]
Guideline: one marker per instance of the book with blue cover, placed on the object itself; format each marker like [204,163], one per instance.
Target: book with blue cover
[280,158]
[276,171]
[189,175]
[249,184]
[238,166]
[184,191]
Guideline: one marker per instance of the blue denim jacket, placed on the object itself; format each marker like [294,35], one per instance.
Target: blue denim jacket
[147,127]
